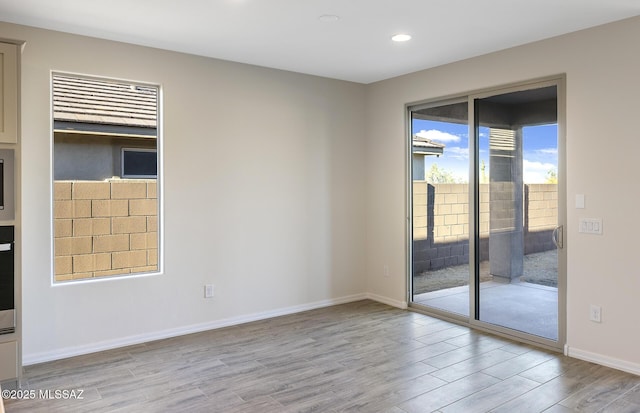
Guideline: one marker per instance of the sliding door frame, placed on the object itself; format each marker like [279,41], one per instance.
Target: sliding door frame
[560,82]
[409,109]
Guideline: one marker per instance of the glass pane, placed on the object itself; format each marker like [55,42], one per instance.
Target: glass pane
[440,172]
[139,163]
[518,211]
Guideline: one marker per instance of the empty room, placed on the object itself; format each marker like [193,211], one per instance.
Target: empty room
[285,206]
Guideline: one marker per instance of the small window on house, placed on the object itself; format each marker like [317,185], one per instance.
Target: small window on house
[106,215]
[139,163]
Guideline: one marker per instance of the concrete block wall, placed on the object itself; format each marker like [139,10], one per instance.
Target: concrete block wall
[441,222]
[540,216]
[441,211]
[441,225]
[541,206]
[104,228]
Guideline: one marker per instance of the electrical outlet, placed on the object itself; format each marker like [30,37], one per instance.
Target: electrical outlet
[385,271]
[595,313]
[208,291]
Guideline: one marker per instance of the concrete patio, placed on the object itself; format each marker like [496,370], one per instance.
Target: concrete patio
[519,305]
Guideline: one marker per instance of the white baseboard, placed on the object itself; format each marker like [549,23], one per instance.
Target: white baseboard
[633,368]
[385,300]
[35,358]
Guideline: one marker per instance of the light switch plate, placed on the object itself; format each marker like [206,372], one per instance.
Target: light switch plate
[580,201]
[590,226]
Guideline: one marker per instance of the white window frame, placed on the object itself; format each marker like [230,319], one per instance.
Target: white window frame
[159,188]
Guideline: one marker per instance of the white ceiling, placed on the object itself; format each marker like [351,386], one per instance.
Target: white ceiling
[287,34]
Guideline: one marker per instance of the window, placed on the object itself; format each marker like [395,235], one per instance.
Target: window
[139,163]
[105,167]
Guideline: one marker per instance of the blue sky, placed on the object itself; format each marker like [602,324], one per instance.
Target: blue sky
[540,148]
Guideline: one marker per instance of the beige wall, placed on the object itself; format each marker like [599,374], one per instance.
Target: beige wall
[601,69]
[251,139]
[240,145]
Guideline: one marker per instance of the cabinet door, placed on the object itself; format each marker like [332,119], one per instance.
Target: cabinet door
[8,93]
[8,360]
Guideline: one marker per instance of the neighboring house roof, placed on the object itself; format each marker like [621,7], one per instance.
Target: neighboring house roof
[424,146]
[104,107]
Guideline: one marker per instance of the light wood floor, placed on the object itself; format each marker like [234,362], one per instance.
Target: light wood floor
[361,356]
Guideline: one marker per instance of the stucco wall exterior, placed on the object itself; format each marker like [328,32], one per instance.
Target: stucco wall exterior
[91,157]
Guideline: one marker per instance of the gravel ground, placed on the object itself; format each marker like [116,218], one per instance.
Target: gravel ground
[539,268]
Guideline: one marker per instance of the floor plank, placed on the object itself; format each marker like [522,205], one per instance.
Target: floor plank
[357,357]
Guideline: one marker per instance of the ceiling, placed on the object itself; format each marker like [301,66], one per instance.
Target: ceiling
[288,34]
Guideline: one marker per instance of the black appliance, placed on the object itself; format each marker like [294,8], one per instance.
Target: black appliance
[7,281]
[6,185]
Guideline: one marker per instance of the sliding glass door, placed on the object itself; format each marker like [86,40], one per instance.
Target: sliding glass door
[486,211]
[440,187]
[517,150]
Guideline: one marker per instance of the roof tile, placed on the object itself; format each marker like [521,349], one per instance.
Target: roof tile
[88,100]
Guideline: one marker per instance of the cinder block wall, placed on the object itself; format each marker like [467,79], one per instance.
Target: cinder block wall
[441,222]
[541,211]
[104,228]
[540,216]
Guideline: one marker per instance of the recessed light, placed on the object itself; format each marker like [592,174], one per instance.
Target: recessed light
[329,18]
[401,37]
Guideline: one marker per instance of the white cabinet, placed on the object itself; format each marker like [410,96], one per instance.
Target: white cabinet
[10,366]
[8,360]
[8,93]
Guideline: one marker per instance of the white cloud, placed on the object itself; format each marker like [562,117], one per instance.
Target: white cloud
[548,151]
[538,166]
[436,135]
[457,152]
[536,172]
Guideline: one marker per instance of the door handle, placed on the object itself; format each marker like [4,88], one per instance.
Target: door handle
[557,237]
[5,247]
